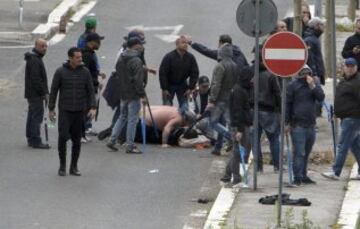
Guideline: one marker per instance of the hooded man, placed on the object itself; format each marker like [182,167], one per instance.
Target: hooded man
[302,95]
[36,92]
[347,108]
[352,45]
[224,77]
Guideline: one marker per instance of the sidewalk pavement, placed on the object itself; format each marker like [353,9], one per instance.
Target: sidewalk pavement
[326,196]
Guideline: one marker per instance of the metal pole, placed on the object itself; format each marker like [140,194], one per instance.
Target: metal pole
[333,62]
[282,133]
[21,10]
[256,93]
[318,9]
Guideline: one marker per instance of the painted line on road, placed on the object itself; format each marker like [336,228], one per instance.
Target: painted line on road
[350,210]
[84,9]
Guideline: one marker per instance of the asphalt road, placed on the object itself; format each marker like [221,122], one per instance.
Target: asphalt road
[116,190]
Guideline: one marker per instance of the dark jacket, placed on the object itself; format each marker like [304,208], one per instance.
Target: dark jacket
[201,101]
[315,58]
[131,72]
[90,61]
[350,43]
[238,57]
[301,103]
[224,76]
[239,108]
[76,89]
[175,70]
[347,98]
[269,91]
[36,84]
[290,25]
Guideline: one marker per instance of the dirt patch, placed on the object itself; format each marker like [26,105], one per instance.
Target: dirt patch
[6,85]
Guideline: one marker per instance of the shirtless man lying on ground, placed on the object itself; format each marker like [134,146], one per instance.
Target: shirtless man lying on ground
[166,119]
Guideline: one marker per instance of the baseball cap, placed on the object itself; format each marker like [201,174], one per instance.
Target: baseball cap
[135,33]
[203,80]
[90,22]
[133,41]
[350,61]
[94,37]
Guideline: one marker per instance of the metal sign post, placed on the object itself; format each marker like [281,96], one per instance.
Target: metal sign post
[284,54]
[21,11]
[263,23]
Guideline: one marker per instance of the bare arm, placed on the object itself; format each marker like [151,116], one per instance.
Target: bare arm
[168,127]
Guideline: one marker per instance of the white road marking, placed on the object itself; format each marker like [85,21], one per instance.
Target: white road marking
[165,37]
[285,54]
[56,39]
[83,11]
[350,210]
[199,213]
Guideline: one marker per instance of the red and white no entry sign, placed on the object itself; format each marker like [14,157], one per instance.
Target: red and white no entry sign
[284,54]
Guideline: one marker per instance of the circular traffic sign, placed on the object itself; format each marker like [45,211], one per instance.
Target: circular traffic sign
[284,54]
[246,17]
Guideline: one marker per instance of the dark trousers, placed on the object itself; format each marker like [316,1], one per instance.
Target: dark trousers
[34,119]
[179,91]
[70,127]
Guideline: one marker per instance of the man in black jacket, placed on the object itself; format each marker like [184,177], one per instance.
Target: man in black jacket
[132,92]
[76,96]
[238,56]
[176,68]
[302,95]
[352,45]
[347,108]
[36,91]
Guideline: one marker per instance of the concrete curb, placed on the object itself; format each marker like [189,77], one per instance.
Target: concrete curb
[51,27]
[350,210]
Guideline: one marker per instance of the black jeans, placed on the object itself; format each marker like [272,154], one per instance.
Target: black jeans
[34,119]
[70,127]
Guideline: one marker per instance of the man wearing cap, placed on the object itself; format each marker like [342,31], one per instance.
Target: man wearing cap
[93,42]
[132,92]
[177,67]
[352,45]
[347,108]
[302,95]
[90,27]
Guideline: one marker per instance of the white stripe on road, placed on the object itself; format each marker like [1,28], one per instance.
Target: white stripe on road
[284,54]
[350,210]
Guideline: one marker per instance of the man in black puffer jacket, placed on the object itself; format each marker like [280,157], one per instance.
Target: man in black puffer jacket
[76,96]
[36,91]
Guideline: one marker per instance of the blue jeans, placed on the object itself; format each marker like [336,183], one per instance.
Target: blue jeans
[349,139]
[34,119]
[269,123]
[303,140]
[129,116]
[179,90]
[218,123]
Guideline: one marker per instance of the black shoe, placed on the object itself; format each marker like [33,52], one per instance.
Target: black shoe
[133,150]
[297,183]
[216,152]
[112,146]
[236,183]
[62,172]
[30,144]
[307,180]
[226,179]
[74,172]
[41,146]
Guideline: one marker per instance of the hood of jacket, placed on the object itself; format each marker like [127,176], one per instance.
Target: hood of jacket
[33,53]
[129,54]
[225,52]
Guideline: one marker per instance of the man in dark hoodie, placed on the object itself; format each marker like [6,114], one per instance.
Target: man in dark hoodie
[76,96]
[352,45]
[224,77]
[132,92]
[238,56]
[302,95]
[36,92]
[347,108]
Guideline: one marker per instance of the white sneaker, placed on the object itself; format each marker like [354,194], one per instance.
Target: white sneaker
[83,140]
[330,175]
[357,177]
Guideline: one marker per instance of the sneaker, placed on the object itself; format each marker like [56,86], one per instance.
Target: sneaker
[90,132]
[330,175]
[236,183]
[41,146]
[226,179]
[83,140]
[112,146]
[307,180]
[216,152]
[297,183]
[133,150]
[357,177]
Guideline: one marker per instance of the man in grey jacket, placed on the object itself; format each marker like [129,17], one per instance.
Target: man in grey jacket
[132,79]
[223,80]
